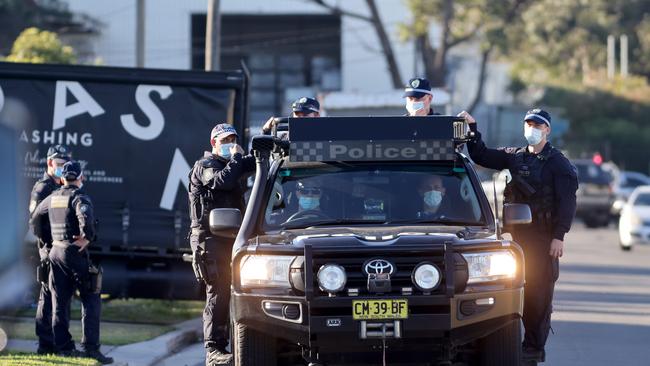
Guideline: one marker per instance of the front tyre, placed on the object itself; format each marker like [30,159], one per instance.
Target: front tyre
[252,348]
[503,347]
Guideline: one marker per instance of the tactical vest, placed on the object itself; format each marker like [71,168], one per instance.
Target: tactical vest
[526,185]
[203,200]
[63,218]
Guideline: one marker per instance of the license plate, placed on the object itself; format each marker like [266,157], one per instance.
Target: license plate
[379,309]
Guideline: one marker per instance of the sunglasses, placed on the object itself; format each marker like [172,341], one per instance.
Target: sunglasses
[310,191]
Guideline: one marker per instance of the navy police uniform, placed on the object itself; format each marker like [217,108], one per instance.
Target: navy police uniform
[41,190]
[215,182]
[69,211]
[547,182]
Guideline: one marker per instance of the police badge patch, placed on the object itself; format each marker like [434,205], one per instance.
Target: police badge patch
[83,208]
[415,83]
[303,100]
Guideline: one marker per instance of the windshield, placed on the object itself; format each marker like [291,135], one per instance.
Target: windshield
[642,199]
[333,194]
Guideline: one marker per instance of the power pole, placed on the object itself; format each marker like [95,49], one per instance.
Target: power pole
[212,36]
[139,33]
[624,54]
[611,57]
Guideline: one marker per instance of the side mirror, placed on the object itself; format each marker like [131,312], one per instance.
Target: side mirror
[516,214]
[225,222]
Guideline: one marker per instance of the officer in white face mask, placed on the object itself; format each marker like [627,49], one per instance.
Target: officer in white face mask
[418,97]
[545,180]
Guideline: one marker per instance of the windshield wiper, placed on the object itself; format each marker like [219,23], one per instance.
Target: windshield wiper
[332,223]
[439,221]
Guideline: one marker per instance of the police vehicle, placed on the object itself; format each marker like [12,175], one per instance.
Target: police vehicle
[370,241]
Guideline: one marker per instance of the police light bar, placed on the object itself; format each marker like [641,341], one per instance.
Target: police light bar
[375,138]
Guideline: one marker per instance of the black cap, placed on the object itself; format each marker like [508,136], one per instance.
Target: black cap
[306,105]
[71,170]
[58,152]
[417,87]
[538,116]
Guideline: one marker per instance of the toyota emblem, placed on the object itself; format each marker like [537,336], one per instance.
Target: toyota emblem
[379,266]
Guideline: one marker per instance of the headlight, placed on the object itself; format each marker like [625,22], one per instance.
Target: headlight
[490,266]
[426,276]
[331,278]
[265,271]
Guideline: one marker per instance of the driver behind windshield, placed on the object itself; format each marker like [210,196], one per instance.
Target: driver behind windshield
[309,195]
[432,192]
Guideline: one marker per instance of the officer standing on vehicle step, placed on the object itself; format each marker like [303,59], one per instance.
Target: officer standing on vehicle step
[57,155]
[543,178]
[216,181]
[69,211]
[418,97]
[302,107]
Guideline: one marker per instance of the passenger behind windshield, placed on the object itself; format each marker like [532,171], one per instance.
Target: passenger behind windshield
[371,194]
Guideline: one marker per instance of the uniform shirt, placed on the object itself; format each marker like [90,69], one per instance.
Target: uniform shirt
[79,221]
[217,183]
[557,173]
[42,188]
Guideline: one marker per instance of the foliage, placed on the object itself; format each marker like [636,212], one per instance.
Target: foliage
[607,116]
[17,15]
[36,46]
[28,359]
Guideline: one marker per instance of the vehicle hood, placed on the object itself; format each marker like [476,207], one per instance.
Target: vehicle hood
[378,236]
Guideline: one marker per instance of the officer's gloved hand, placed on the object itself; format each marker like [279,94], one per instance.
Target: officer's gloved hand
[81,242]
[468,117]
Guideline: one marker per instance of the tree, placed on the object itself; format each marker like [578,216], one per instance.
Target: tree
[36,46]
[375,20]
[17,15]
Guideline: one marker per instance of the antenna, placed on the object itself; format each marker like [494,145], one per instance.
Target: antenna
[497,228]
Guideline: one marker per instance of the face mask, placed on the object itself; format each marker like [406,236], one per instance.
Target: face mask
[433,198]
[533,135]
[225,150]
[308,203]
[413,107]
[58,172]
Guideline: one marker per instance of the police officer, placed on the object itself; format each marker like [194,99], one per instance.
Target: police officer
[57,155]
[70,215]
[302,107]
[216,182]
[543,178]
[418,97]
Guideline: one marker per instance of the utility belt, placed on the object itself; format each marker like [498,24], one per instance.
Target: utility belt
[92,282]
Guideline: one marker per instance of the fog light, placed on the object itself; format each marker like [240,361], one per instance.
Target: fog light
[426,276]
[331,278]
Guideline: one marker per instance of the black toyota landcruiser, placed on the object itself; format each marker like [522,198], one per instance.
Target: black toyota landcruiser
[371,241]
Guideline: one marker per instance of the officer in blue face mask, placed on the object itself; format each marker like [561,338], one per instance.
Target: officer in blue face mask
[546,181]
[432,191]
[57,155]
[309,196]
[216,181]
[418,97]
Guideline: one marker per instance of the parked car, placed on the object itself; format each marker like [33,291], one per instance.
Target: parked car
[624,183]
[634,224]
[594,195]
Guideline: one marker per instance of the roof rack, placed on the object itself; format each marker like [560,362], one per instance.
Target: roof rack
[324,139]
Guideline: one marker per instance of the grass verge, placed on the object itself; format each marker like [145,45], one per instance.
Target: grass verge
[115,334]
[27,359]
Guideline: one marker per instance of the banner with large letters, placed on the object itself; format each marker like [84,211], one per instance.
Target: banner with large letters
[137,132]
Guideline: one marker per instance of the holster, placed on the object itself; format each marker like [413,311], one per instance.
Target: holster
[95,279]
[204,268]
[43,271]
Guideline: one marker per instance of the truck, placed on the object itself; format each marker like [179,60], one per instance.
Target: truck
[137,133]
[367,243]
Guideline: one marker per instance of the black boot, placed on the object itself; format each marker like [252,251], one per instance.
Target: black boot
[97,355]
[216,356]
[71,353]
[530,354]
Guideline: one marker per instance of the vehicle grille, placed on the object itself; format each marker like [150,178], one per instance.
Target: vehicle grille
[357,279]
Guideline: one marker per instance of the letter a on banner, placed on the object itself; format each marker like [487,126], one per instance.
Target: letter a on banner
[85,103]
